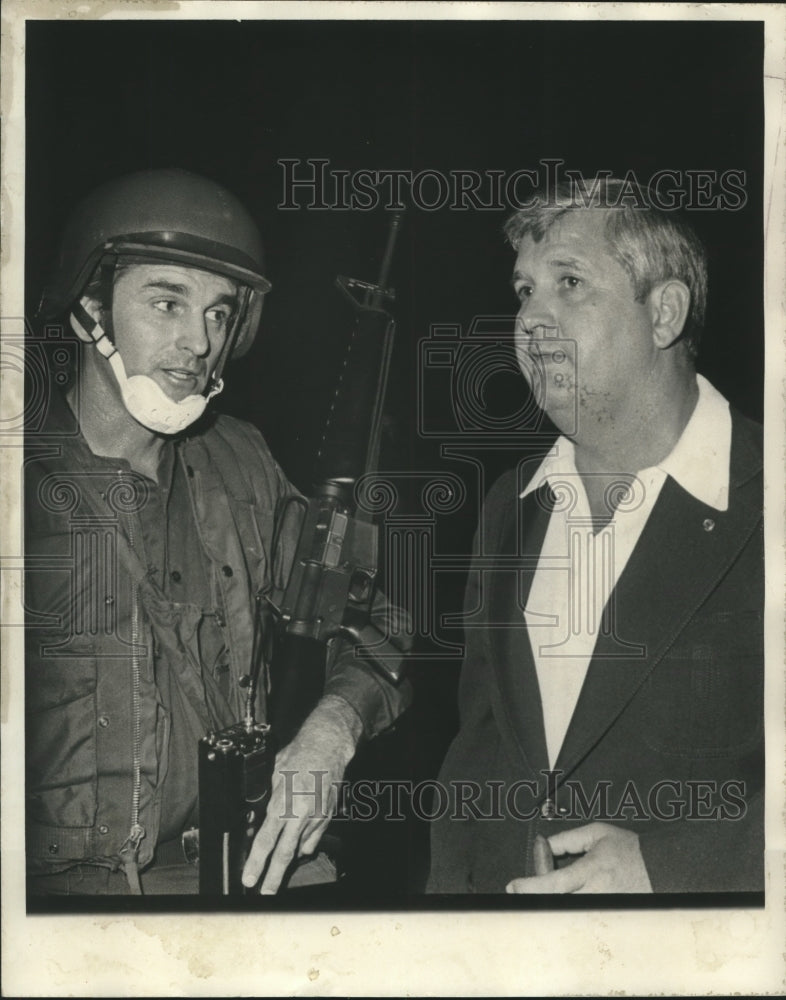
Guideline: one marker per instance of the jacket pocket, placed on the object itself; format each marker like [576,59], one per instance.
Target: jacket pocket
[61,764]
[705,697]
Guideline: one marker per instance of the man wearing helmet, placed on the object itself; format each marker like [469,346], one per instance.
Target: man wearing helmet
[149,533]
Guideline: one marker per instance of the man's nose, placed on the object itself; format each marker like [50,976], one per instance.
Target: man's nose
[536,326]
[536,317]
[192,334]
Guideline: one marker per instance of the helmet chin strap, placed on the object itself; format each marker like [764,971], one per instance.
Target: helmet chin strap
[144,398]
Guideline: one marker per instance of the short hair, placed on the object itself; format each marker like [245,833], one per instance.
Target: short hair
[651,244]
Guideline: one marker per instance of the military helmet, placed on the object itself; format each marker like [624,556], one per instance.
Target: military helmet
[168,215]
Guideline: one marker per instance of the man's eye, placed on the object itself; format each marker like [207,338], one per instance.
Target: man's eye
[523,292]
[571,281]
[165,305]
[220,316]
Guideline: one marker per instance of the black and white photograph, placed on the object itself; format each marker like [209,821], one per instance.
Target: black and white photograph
[392,547]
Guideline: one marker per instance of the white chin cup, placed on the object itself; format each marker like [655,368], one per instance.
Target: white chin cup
[144,398]
[148,404]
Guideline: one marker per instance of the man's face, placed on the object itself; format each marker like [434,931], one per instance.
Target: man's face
[170,323]
[583,343]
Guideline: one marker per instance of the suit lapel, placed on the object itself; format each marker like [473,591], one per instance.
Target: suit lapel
[519,708]
[685,548]
[673,569]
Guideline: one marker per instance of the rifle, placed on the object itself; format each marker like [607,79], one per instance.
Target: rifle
[329,595]
[331,587]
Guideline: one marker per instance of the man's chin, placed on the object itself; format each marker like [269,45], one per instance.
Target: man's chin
[559,405]
[552,394]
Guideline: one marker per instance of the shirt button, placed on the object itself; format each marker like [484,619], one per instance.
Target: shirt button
[547,810]
[109,599]
[226,570]
[103,721]
[53,848]
[708,524]
[103,829]
[175,576]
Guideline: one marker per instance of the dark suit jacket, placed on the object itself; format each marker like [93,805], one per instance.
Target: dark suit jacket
[667,735]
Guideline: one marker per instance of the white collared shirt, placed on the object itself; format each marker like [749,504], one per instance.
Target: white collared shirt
[578,570]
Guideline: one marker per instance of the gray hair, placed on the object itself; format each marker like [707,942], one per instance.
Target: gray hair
[652,245]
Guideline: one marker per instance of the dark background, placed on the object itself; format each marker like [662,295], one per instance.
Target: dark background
[228,100]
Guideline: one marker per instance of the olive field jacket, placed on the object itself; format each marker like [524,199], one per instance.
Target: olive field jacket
[96,730]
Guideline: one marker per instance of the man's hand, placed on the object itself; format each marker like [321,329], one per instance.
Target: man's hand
[302,803]
[612,862]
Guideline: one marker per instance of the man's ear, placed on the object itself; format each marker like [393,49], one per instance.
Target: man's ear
[669,306]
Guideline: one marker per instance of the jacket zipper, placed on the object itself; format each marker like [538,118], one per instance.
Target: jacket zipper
[129,852]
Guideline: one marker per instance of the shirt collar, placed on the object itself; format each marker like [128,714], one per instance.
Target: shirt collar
[699,461]
[559,464]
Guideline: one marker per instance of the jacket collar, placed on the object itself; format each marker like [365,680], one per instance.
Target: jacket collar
[686,547]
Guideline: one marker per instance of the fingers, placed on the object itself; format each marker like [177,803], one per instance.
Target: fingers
[561,880]
[310,843]
[611,861]
[303,795]
[290,830]
[542,856]
[579,840]
[272,852]
[280,860]
[264,843]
